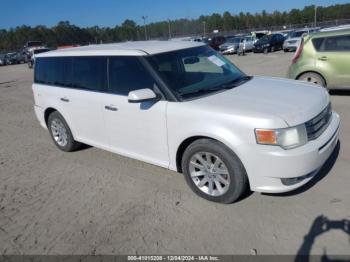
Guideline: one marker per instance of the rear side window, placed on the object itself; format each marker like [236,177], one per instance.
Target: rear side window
[89,73]
[128,74]
[53,71]
[317,42]
[337,43]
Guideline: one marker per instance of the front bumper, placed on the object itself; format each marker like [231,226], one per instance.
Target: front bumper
[260,48]
[290,46]
[267,165]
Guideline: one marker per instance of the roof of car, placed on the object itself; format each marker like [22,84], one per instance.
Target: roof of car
[137,48]
[331,33]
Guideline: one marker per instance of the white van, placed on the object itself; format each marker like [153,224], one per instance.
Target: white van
[182,106]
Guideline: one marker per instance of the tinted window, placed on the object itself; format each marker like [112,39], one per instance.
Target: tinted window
[337,43]
[128,74]
[76,72]
[89,73]
[53,71]
[317,42]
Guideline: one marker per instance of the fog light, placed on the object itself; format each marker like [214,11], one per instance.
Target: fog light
[294,180]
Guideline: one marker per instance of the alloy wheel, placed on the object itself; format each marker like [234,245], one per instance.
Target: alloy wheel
[59,132]
[209,173]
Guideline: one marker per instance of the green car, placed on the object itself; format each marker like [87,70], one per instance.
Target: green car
[323,58]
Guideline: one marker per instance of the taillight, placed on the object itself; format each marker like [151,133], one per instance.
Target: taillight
[298,52]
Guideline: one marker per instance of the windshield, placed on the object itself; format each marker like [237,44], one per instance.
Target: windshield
[297,34]
[196,71]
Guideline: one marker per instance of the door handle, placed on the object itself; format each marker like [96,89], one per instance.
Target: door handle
[64,99]
[111,108]
[323,58]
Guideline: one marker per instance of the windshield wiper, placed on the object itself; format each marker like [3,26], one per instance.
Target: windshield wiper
[225,86]
[235,82]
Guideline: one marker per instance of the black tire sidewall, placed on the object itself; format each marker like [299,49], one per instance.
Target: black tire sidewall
[235,167]
[71,144]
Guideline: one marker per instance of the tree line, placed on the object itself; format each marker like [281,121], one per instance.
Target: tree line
[65,33]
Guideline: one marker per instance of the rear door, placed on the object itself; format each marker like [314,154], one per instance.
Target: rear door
[73,85]
[88,81]
[333,58]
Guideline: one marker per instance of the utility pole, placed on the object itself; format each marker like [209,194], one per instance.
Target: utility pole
[144,25]
[169,29]
[315,18]
[204,28]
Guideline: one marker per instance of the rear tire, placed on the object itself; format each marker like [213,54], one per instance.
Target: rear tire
[313,78]
[61,133]
[213,171]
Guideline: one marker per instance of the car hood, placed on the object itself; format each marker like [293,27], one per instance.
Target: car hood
[295,102]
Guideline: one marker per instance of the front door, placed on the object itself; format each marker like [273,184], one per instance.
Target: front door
[137,130]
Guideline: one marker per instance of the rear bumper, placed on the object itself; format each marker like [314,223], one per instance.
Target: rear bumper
[270,167]
[39,112]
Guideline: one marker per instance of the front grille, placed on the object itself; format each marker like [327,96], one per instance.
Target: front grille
[316,126]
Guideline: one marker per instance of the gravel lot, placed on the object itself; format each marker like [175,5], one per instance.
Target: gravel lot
[96,202]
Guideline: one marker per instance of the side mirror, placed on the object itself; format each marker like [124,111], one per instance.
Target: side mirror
[141,95]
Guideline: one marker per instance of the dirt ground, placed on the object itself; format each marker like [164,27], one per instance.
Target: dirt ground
[96,202]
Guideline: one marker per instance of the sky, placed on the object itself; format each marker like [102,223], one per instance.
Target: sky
[113,12]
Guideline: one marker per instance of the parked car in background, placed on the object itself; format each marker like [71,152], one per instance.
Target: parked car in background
[11,58]
[323,58]
[232,44]
[216,41]
[237,131]
[29,47]
[269,43]
[33,55]
[294,39]
[2,60]
[20,57]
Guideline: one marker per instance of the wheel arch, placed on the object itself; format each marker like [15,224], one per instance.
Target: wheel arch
[48,111]
[314,72]
[186,142]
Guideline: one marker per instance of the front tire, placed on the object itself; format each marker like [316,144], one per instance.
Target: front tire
[313,78]
[61,133]
[213,171]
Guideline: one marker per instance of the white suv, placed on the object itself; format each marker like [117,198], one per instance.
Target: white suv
[183,106]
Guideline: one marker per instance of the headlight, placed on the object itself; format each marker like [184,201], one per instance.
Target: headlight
[287,138]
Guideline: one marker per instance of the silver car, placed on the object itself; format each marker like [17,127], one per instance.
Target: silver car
[231,46]
[293,41]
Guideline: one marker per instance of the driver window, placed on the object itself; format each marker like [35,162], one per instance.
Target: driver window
[127,74]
